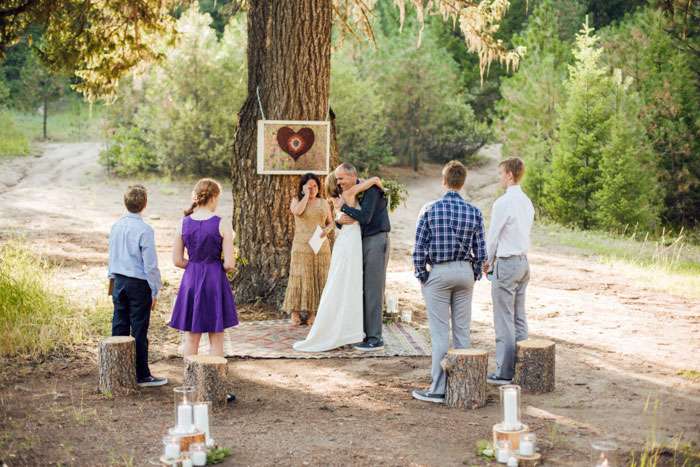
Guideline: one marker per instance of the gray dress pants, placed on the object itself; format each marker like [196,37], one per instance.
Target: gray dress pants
[449,287]
[510,278]
[375,258]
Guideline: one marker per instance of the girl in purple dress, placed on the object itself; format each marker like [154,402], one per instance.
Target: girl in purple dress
[205,301]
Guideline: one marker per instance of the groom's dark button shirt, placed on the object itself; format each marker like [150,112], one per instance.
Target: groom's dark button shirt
[372,214]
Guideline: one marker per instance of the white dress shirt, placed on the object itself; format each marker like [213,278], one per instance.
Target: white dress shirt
[511,221]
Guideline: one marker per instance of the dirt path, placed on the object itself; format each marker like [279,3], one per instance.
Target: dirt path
[618,344]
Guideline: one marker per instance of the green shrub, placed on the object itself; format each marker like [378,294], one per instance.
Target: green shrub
[128,153]
[35,320]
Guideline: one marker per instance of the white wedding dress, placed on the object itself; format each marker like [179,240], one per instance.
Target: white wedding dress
[339,315]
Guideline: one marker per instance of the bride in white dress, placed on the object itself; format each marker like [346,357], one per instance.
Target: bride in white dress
[339,315]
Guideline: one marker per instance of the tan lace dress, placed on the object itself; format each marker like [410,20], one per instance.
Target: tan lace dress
[307,272]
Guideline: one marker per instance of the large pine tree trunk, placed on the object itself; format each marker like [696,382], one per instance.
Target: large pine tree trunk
[289,52]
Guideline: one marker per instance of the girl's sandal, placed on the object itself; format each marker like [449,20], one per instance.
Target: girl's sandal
[310,320]
[296,318]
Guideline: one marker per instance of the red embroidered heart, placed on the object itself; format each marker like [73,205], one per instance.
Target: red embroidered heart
[296,144]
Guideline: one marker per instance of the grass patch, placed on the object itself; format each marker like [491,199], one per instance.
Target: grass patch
[668,262]
[67,122]
[34,319]
[690,374]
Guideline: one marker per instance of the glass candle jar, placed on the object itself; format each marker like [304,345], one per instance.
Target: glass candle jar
[512,459]
[171,446]
[406,316]
[510,407]
[503,447]
[527,444]
[198,454]
[186,461]
[604,453]
[183,397]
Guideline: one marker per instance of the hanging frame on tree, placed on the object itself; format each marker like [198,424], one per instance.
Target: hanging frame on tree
[288,147]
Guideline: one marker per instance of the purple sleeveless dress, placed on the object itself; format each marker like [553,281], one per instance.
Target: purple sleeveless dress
[205,301]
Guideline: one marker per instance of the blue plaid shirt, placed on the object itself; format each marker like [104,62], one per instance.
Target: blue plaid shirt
[449,229]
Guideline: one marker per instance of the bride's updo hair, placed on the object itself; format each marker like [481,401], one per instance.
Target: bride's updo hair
[332,188]
[203,191]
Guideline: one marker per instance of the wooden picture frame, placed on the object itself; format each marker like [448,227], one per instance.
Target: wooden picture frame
[293,147]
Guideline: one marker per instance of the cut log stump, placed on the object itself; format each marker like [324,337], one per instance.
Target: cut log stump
[209,376]
[529,461]
[466,377]
[117,365]
[534,366]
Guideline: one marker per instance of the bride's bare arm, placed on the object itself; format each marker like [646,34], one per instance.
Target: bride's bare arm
[363,186]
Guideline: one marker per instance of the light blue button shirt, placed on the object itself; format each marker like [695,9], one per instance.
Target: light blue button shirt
[132,251]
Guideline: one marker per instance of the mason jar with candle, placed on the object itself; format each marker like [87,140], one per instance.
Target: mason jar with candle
[198,454]
[171,447]
[183,397]
[503,448]
[186,460]
[510,407]
[512,459]
[406,316]
[527,444]
[604,453]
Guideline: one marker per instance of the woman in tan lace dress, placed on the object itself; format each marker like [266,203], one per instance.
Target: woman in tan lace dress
[308,271]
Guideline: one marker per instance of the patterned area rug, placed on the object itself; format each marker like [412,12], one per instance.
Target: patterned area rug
[274,339]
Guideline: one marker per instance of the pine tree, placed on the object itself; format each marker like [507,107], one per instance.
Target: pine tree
[532,98]
[584,128]
[625,197]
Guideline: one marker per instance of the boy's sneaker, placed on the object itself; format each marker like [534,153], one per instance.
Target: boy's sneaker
[493,379]
[428,396]
[152,381]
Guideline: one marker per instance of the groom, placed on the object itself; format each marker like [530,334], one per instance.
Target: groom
[374,222]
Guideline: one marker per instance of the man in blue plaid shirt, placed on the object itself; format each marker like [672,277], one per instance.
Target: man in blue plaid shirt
[449,238]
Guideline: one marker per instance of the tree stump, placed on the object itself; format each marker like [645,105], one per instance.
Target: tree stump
[466,377]
[117,365]
[529,461]
[534,366]
[209,376]
[512,436]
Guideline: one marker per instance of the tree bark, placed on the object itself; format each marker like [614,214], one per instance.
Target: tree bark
[534,366]
[117,365]
[466,378]
[289,51]
[208,374]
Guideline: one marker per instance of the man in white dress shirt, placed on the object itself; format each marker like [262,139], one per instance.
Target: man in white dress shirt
[506,248]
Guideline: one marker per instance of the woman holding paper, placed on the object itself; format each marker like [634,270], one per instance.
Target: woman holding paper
[308,269]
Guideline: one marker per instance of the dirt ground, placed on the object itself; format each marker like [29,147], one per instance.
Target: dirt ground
[620,344]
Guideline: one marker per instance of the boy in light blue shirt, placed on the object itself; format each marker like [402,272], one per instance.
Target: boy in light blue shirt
[133,264]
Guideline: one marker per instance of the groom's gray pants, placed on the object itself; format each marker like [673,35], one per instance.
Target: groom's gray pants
[449,287]
[510,278]
[375,257]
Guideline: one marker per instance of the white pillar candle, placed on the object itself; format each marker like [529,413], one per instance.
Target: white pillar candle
[510,409]
[201,418]
[527,448]
[184,418]
[199,457]
[172,451]
[502,456]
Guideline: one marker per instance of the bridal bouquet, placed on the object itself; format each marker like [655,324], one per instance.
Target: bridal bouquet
[395,194]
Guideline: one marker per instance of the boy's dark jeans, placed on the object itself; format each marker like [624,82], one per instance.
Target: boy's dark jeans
[132,311]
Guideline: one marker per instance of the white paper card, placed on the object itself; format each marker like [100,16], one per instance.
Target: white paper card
[316,241]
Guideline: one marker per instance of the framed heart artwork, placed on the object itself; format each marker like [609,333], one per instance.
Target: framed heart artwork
[287,147]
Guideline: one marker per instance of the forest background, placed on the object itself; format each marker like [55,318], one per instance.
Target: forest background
[603,108]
